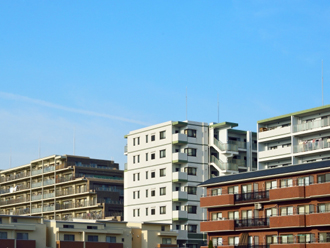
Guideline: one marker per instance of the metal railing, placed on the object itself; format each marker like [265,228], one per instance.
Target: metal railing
[49,208]
[60,206]
[14,177]
[223,165]
[254,222]
[36,197]
[61,179]
[225,146]
[36,184]
[36,210]
[36,172]
[49,168]
[311,125]
[49,182]
[49,195]
[311,146]
[14,201]
[258,195]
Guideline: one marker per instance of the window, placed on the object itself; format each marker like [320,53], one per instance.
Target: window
[190,133]
[191,171]
[233,215]
[286,183]
[191,190]
[24,236]
[191,228]
[152,137]
[271,185]
[233,190]
[153,156]
[286,239]
[153,211]
[286,211]
[153,192]
[133,141]
[3,235]
[146,193]
[217,191]
[306,209]
[190,151]
[305,180]
[69,237]
[162,228]
[146,174]
[162,172]
[162,135]
[93,238]
[162,191]
[162,153]
[136,194]
[133,159]
[217,216]
[138,158]
[191,209]
[91,227]
[146,138]
[324,237]
[138,140]
[146,156]
[111,239]
[133,212]
[68,226]
[166,241]
[146,211]
[133,177]
[162,210]
[323,207]
[153,174]
[138,212]
[325,178]
[138,176]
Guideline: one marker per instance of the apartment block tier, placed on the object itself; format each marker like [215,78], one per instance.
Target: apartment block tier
[166,162]
[280,207]
[62,188]
[294,138]
[35,232]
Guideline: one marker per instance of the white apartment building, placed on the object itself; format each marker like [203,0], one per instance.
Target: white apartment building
[295,138]
[166,162]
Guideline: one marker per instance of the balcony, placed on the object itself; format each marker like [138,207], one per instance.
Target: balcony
[318,219]
[14,177]
[179,177]
[179,139]
[250,223]
[49,195]
[36,197]
[103,245]
[36,184]
[166,246]
[275,152]
[230,146]
[25,243]
[252,196]
[290,245]
[49,182]
[287,193]
[218,225]
[319,189]
[49,168]
[179,196]
[179,215]
[14,201]
[36,210]
[36,172]
[7,243]
[269,133]
[69,244]
[287,221]
[49,208]
[69,205]
[217,200]
[179,157]
[311,125]
[224,165]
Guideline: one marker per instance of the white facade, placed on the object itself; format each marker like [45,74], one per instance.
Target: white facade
[166,162]
[295,138]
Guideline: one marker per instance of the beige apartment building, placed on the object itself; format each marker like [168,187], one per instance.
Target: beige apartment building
[35,232]
[62,188]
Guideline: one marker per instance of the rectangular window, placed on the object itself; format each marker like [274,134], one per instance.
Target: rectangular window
[286,183]
[166,241]
[111,239]
[217,191]
[146,174]
[68,226]
[162,172]
[190,152]
[3,235]
[69,237]
[92,227]
[146,193]
[153,156]
[162,210]
[325,178]
[138,212]
[217,216]
[146,156]
[162,191]
[93,238]
[138,158]
[233,190]
[133,194]
[191,171]
[133,141]
[191,209]
[146,138]
[133,212]
[153,174]
[190,133]
[271,185]
[324,237]
[153,192]
[192,190]
[138,140]
[138,194]
[162,153]
[152,137]
[133,159]
[305,181]
[153,211]
[323,207]
[162,135]
[191,228]
[138,176]
[146,211]
[133,177]
[24,236]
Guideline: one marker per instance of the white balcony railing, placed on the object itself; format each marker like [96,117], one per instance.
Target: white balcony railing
[276,152]
[37,184]
[311,125]
[179,176]
[274,132]
[311,146]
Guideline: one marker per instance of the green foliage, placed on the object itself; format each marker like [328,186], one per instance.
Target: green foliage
[210,244]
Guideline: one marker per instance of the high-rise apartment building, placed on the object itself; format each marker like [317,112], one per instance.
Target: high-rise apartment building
[166,162]
[295,138]
[62,188]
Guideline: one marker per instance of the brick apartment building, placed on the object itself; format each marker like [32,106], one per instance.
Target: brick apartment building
[281,207]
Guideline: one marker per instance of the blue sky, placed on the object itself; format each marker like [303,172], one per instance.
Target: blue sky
[103,68]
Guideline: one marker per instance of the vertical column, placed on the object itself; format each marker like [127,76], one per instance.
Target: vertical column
[249,157]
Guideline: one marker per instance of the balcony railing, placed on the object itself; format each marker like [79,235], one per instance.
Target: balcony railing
[36,210]
[14,177]
[61,179]
[125,149]
[36,172]
[75,205]
[251,196]
[223,165]
[36,197]
[90,216]
[72,191]
[49,208]
[311,146]
[49,168]
[256,222]
[49,182]
[311,125]
[230,146]
[36,184]
[14,201]
[49,195]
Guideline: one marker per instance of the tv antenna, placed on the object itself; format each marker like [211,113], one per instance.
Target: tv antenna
[322,84]
[186,104]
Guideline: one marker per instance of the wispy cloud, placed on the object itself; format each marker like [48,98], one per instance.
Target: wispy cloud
[15,97]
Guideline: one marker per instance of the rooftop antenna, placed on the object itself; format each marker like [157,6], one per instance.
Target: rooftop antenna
[186,105]
[218,107]
[74,139]
[10,158]
[39,148]
[322,83]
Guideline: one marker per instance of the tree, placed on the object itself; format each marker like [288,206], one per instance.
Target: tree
[210,244]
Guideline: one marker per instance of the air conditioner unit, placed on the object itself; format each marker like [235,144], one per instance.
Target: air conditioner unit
[257,206]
